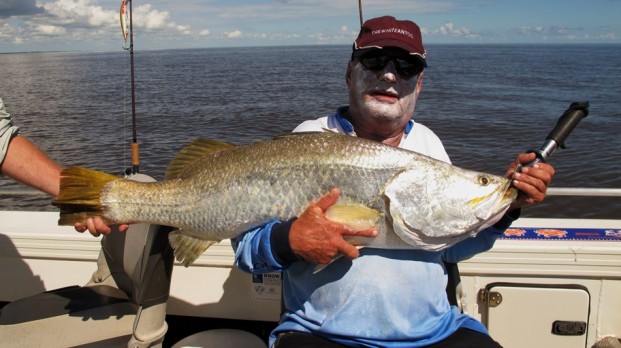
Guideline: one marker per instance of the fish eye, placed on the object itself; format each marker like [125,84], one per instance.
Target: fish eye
[483,180]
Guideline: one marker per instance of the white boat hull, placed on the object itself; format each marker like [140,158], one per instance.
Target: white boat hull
[37,255]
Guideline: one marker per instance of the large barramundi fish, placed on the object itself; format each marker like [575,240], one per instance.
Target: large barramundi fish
[214,191]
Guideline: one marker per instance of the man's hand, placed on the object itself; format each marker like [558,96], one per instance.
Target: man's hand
[315,238]
[97,227]
[532,182]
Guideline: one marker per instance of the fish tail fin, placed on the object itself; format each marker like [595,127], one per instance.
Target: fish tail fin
[187,248]
[79,196]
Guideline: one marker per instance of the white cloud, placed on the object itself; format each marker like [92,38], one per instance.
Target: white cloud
[233,34]
[556,32]
[183,29]
[50,30]
[449,29]
[94,24]
[73,21]
[146,17]
[80,13]
[607,36]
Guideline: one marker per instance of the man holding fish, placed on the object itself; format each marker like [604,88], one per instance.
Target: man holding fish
[375,297]
[390,189]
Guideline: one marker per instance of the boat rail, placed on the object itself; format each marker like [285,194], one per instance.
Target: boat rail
[21,192]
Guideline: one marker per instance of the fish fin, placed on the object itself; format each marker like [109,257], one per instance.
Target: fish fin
[193,152]
[356,216]
[321,267]
[79,196]
[187,248]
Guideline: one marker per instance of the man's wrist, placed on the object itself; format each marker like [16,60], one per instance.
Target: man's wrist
[279,241]
[507,219]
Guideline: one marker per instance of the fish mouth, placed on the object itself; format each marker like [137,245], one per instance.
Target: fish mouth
[509,193]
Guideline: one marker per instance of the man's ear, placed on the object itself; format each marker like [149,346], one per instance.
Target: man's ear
[419,84]
[348,73]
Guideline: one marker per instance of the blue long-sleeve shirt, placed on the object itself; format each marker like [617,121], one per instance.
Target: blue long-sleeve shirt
[383,298]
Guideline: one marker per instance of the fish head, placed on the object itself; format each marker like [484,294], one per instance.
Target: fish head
[438,205]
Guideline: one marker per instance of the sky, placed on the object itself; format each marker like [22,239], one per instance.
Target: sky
[93,25]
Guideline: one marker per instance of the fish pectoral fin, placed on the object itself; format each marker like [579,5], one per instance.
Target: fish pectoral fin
[187,248]
[355,216]
[320,267]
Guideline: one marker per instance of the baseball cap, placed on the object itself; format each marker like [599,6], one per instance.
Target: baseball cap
[387,31]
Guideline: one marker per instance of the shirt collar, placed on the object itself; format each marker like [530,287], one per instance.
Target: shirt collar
[349,128]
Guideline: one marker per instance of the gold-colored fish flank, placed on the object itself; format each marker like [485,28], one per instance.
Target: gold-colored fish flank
[214,191]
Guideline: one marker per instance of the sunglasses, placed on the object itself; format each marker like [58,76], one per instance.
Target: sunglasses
[405,66]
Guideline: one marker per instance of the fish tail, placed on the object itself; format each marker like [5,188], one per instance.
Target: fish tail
[187,248]
[79,196]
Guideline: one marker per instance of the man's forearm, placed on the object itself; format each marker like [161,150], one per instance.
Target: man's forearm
[25,162]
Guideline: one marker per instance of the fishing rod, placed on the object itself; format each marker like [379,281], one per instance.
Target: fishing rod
[564,126]
[360,12]
[129,31]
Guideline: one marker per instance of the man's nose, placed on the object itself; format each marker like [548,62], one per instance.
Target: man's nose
[389,72]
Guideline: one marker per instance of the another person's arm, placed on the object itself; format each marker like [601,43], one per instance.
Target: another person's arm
[23,161]
[26,163]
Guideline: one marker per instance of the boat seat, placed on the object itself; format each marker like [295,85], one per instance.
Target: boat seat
[221,338]
[123,305]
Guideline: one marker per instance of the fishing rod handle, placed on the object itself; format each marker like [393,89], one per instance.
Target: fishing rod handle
[545,151]
[538,159]
[564,126]
[568,121]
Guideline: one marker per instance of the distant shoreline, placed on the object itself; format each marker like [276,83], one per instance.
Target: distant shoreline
[428,45]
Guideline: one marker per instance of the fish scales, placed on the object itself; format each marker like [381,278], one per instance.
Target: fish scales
[227,192]
[243,187]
